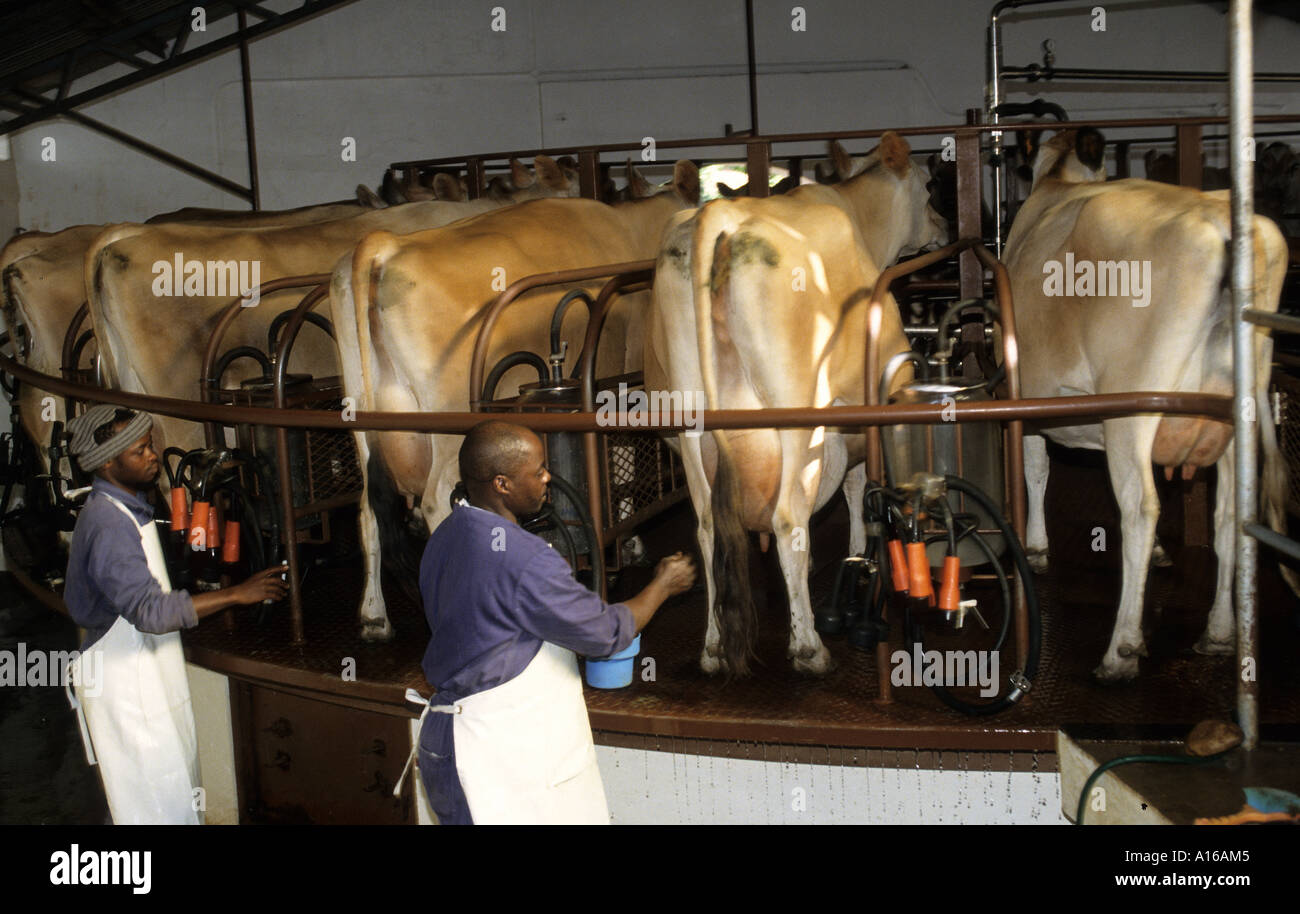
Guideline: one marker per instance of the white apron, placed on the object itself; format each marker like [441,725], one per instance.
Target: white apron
[141,724]
[524,753]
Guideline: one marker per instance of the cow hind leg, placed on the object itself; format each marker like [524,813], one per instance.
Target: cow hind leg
[1036,468]
[790,524]
[1220,636]
[702,500]
[374,614]
[1128,457]
[855,486]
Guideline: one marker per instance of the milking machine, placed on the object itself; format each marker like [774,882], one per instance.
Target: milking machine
[922,554]
[565,523]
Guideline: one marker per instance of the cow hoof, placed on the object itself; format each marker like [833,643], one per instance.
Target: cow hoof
[709,663]
[1208,645]
[376,630]
[817,661]
[1122,670]
[1160,558]
[1037,560]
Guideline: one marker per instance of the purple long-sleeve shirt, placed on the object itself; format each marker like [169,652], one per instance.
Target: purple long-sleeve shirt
[492,593]
[108,574]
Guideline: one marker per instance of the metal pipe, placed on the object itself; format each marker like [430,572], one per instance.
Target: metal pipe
[1240,59]
[519,287]
[1045,409]
[289,529]
[1273,539]
[753,70]
[1034,72]
[731,141]
[250,136]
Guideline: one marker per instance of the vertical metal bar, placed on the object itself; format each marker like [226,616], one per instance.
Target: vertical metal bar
[589,174]
[758,160]
[250,135]
[969,180]
[1122,169]
[753,73]
[1188,140]
[475,178]
[993,98]
[1240,129]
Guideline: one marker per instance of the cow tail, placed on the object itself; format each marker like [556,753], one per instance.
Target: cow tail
[400,546]
[734,599]
[733,606]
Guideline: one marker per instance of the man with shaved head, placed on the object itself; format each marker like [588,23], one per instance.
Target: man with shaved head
[509,741]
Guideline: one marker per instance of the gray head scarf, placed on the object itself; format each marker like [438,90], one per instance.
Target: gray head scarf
[91,455]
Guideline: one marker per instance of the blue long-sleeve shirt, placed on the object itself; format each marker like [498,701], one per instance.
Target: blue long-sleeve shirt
[108,574]
[493,592]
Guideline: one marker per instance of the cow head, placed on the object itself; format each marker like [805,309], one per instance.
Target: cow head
[921,226]
[1074,156]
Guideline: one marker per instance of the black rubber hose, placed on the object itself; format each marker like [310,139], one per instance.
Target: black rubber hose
[239,352]
[597,555]
[551,516]
[272,334]
[557,316]
[520,357]
[1035,621]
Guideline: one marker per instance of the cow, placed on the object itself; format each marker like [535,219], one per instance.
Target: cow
[152,334]
[762,303]
[1161,322]
[406,311]
[43,276]
[42,288]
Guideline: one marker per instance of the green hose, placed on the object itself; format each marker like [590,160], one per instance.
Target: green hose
[1126,759]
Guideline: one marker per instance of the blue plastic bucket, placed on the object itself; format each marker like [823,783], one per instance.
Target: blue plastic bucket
[614,671]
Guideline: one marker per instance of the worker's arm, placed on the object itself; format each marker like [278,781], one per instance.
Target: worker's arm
[675,575]
[554,607]
[264,585]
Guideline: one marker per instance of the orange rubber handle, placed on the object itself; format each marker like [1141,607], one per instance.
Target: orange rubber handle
[950,587]
[918,571]
[214,528]
[199,526]
[898,566]
[180,510]
[230,547]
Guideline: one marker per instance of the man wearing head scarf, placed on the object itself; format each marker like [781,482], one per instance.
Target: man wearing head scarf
[131,693]
[511,742]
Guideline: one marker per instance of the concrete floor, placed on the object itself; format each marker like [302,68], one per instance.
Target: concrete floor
[44,778]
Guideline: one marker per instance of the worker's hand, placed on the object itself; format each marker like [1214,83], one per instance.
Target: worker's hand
[676,573]
[264,585]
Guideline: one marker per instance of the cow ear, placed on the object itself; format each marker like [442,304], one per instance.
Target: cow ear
[1090,147]
[686,181]
[520,176]
[824,172]
[726,190]
[895,154]
[367,197]
[549,173]
[637,185]
[447,187]
[841,161]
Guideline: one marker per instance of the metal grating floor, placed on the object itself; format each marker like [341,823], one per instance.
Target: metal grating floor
[1177,687]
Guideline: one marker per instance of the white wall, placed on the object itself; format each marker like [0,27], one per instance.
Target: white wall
[661,788]
[408,79]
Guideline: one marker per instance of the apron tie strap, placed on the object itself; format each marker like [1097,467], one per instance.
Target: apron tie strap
[81,718]
[416,698]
